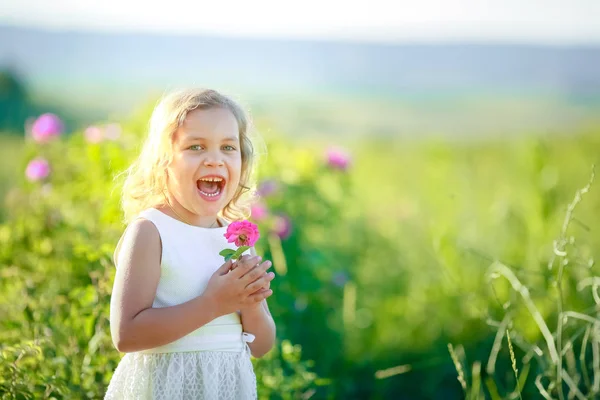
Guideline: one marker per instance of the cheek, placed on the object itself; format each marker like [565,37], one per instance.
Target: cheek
[177,181]
[181,168]
[237,172]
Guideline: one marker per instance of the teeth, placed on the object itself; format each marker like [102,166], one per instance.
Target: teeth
[211,194]
[211,179]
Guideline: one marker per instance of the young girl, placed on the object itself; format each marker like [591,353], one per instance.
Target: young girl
[187,321]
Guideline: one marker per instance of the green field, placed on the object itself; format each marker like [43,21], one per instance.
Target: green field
[11,164]
[420,244]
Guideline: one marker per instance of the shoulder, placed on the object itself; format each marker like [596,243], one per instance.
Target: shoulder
[140,235]
[142,229]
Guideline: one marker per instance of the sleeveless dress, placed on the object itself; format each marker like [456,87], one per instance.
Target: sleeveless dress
[212,362]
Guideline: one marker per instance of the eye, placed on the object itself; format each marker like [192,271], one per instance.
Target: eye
[194,147]
[229,148]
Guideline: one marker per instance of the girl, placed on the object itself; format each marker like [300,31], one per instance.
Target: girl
[187,323]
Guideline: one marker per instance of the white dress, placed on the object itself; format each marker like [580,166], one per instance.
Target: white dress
[213,362]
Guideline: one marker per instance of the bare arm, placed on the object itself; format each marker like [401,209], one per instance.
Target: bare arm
[258,321]
[134,324]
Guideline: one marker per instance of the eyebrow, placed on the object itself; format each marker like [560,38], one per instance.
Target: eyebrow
[227,139]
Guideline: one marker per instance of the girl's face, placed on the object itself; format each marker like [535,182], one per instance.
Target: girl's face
[207,160]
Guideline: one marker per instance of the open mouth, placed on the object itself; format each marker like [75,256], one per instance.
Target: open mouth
[210,186]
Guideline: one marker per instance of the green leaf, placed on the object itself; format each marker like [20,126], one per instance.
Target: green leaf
[239,251]
[227,252]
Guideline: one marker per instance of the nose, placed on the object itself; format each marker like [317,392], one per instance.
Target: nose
[213,160]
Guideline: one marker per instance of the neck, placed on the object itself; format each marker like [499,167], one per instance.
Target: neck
[185,216]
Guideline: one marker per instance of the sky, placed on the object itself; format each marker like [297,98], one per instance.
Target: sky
[532,21]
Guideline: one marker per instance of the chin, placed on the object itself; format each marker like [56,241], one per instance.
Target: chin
[211,209]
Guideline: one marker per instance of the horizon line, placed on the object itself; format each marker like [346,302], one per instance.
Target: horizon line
[390,40]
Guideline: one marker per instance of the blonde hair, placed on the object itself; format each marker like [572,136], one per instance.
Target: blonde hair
[146,178]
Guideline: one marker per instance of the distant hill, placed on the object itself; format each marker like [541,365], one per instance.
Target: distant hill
[114,71]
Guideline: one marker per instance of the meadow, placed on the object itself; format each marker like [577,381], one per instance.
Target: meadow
[405,269]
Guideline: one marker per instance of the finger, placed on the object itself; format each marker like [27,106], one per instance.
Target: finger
[256,298]
[261,290]
[237,262]
[249,265]
[259,283]
[252,260]
[245,265]
[264,287]
[257,272]
[224,269]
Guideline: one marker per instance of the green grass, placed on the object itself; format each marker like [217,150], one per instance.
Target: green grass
[438,240]
[11,160]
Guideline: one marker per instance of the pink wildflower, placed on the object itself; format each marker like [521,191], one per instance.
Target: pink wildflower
[283,226]
[259,212]
[93,134]
[46,127]
[112,131]
[338,159]
[37,170]
[268,187]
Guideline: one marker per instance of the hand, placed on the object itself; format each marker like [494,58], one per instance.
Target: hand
[258,306]
[266,287]
[262,290]
[240,287]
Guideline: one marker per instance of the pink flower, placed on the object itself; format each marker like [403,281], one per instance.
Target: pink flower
[37,170]
[267,188]
[112,131]
[283,226]
[338,159]
[46,127]
[243,233]
[259,212]
[93,134]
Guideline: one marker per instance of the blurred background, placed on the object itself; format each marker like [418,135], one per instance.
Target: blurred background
[427,197]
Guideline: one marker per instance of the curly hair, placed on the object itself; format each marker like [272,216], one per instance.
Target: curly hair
[146,178]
